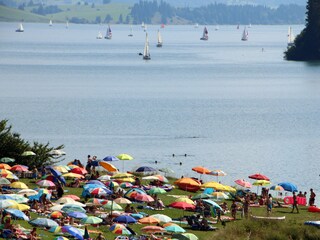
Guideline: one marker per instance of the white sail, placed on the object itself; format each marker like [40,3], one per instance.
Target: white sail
[67,24]
[142,25]
[196,25]
[50,23]
[159,44]
[20,28]
[99,36]
[244,34]
[291,37]
[146,53]
[205,34]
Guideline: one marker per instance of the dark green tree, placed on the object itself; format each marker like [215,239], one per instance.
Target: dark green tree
[12,145]
[108,18]
[307,44]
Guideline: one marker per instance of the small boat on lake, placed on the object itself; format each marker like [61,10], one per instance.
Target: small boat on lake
[291,37]
[159,44]
[244,34]
[67,24]
[109,33]
[146,52]
[50,23]
[20,28]
[205,36]
[99,36]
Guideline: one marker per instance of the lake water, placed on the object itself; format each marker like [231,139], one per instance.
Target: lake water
[227,104]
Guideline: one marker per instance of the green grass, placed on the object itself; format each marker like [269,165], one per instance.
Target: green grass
[16,15]
[89,13]
[292,228]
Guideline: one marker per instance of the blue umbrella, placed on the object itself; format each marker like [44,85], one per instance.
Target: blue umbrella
[73,231]
[6,197]
[290,187]
[17,213]
[78,215]
[110,159]
[55,173]
[43,222]
[72,208]
[96,182]
[146,169]
[62,180]
[125,219]
[212,203]
[208,190]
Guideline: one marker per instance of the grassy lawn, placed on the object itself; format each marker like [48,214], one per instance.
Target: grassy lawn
[292,228]
[15,15]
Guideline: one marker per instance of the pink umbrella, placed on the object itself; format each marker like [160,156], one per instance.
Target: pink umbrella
[19,168]
[45,183]
[144,198]
[74,197]
[243,183]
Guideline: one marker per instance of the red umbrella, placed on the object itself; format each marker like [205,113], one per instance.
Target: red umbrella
[259,176]
[79,171]
[144,198]
[182,205]
[243,183]
[19,168]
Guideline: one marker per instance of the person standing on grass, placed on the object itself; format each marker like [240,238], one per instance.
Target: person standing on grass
[312,197]
[269,204]
[295,203]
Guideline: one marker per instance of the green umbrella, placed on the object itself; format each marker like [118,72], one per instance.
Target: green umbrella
[185,236]
[6,160]
[91,220]
[111,205]
[4,181]
[174,229]
[202,196]
[156,190]
[28,153]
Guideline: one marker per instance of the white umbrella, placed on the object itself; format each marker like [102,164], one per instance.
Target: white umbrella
[162,218]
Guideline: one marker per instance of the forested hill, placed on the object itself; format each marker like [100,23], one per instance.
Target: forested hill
[199,3]
[145,11]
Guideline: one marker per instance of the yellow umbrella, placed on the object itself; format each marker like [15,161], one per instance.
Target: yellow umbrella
[184,199]
[108,166]
[61,169]
[122,175]
[72,175]
[261,183]
[128,179]
[11,176]
[21,207]
[215,185]
[5,171]
[124,157]
[230,189]
[20,185]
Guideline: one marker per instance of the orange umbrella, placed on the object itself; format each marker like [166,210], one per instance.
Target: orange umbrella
[149,220]
[108,166]
[5,166]
[188,184]
[201,170]
[56,214]
[152,229]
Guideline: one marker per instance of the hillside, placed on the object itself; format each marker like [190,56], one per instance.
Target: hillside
[15,15]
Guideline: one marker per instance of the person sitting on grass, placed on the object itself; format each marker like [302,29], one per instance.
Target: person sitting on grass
[234,209]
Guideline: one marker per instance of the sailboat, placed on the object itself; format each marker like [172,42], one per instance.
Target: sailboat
[205,34]
[291,37]
[50,23]
[196,25]
[216,28]
[146,53]
[131,34]
[142,25]
[99,35]
[67,24]
[244,34]
[159,44]
[109,33]
[20,28]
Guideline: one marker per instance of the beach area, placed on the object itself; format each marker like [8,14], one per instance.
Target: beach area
[75,201]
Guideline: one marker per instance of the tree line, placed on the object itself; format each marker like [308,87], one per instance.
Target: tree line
[218,13]
[12,145]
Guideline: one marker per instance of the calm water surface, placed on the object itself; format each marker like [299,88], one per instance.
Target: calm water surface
[230,105]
